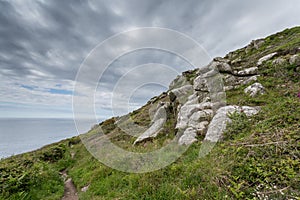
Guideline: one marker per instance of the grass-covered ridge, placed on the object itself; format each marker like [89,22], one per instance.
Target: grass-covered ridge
[259,157]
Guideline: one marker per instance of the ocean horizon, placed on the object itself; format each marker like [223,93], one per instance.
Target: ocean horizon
[21,135]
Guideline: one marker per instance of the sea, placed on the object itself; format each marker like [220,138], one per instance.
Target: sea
[22,135]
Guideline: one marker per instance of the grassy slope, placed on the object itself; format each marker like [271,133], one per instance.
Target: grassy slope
[258,157]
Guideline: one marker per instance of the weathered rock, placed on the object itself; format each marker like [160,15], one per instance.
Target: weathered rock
[188,137]
[250,79]
[221,64]
[182,93]
[266,58]
[193,99]
[255,89]
[295,60]
[203,115]
[218,124]
[196,123]
[248,110]
[158,121]
[201,128]
[223,67]
[247,72]
[218,98]
[186,111]
[205,76]
[231,81]
[200,84]
[279,61]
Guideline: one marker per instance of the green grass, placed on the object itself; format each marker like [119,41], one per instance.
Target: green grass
[258,158]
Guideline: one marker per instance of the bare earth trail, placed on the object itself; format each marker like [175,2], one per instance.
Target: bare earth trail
[70,189]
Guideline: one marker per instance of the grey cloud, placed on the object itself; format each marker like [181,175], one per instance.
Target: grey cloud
[48,40]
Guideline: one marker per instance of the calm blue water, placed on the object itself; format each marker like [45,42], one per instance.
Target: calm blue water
[23,135]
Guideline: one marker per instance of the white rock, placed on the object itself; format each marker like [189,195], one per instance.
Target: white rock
[249,80]
[218,124]
[266,58]
[158,121]
[255,89]
[248,71]
[200,84]
[187,110]
[221,66]
[188,137]
[206,74]
[201,115]
[182,93]
[249,111]
[193,99]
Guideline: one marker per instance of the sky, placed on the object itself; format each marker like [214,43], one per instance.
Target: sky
[44,43]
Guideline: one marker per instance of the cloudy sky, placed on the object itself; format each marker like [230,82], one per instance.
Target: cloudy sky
[43,44]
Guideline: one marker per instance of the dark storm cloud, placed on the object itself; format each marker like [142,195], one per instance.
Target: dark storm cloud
[30,30]
[45,42]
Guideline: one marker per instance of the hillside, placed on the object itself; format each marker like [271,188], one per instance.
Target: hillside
[257,157]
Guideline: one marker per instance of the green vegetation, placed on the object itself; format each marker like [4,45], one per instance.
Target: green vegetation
[259,158]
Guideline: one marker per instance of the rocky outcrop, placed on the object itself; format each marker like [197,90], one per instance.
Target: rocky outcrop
[199,106]
[199,103]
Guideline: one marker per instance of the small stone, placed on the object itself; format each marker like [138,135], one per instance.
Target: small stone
[266,58]
[249,80]
[248,71]
[255,89]
[85,188]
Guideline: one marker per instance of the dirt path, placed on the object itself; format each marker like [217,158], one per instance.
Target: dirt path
[70,189]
